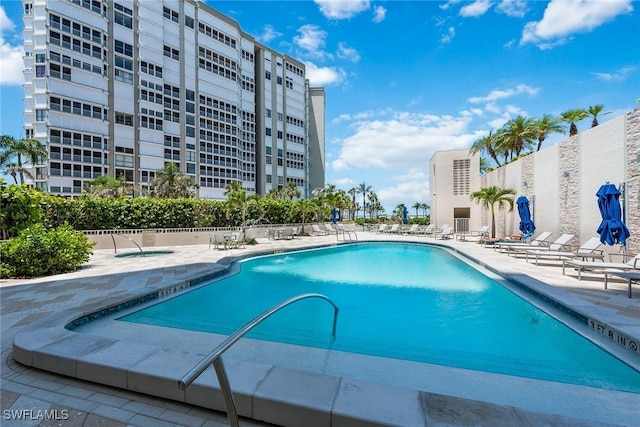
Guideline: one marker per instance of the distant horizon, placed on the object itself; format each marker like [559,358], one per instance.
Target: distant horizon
[456,71]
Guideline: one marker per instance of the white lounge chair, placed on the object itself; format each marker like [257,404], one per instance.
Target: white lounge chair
[315,228]
[601,267]
[446,232]
[627,275]
[561,244]
[394,228]
[381,228]
[329,228]
[588,250]
[414,229]
[542,240]
[430,229]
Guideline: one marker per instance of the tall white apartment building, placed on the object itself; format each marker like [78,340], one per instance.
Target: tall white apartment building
[122,87]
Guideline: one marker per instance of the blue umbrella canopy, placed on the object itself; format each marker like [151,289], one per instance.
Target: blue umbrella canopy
[334,215]
[526,224]
[611,230]
[405,215]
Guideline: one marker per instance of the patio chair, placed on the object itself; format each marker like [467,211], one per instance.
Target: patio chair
[629,276]
[381,228]
[394,228]
[317,231]
[588,250]
[414,229]
[446,232]
[430,229]
[601,267]
[329,228]
[542,240]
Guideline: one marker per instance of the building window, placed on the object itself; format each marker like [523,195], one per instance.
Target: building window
[41,115]
[279,80]
[268,113]
[124,119]
[268,131]
[267,75]
[41,71]
[188,21]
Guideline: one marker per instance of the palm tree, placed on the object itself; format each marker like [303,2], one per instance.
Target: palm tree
[416,206]
[572,117]
[307,207]
[107,186]
[16,154]
[170,183]
[363,189]
[489,196]
[517,134]
[232,187]
[352,214]
[291,190]
[240,200]
[547,125]
[593,111]
[487,143]
[425,207]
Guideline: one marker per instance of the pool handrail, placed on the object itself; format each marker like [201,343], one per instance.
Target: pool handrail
[215,356]
[131,240]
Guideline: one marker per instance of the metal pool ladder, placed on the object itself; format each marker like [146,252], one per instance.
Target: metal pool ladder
[215,356]
[346,234]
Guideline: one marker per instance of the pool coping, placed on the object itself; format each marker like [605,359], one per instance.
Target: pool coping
[261,391]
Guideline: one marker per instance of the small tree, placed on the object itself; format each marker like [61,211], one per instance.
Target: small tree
[489,196]
[170,183]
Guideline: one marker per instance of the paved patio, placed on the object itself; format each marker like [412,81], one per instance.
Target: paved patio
[25,303]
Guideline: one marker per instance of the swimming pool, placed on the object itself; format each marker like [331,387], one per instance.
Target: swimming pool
[406,301]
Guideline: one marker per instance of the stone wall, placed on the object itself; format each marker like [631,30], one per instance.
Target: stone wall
[561,181]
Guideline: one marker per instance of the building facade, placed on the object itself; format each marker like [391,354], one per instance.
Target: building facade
[121,88]
[560,181]
[453,176]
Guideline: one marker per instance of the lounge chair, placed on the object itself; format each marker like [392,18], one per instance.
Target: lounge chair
[431,228]
[414,229]
[560,244]
[394,228]
[381,228]
[588,250]
[601,267]
[481,234]
[628,275]
[445,233]
[329,228]
[542,240]
[315,228]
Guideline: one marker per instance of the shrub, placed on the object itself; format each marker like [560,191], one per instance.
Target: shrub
[39,252]
[19,208]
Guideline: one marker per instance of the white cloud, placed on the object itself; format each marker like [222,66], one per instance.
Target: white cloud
[446,37]
[11,62]
[562,18]
[409,188]
[342,9]
[621,74]
[404,141]
[311,38]
[349,53]
[515,8]
[324,76]
[504,93]
[379,13]
[448,4]
[475,9]
[269,33]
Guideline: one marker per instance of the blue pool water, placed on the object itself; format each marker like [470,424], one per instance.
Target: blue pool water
[406,301]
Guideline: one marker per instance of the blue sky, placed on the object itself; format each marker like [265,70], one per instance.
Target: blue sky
[404,79]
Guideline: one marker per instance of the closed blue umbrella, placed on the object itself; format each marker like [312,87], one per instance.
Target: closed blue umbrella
[611,230]
[526,224]
[334,215]
[405,215]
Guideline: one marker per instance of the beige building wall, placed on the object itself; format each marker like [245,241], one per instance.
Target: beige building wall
[561,182]
[316,145]
[449,199]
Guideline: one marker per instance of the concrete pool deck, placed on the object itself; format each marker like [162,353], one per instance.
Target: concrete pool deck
[452,397]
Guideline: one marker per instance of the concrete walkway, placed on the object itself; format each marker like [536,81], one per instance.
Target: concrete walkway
[30,395]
